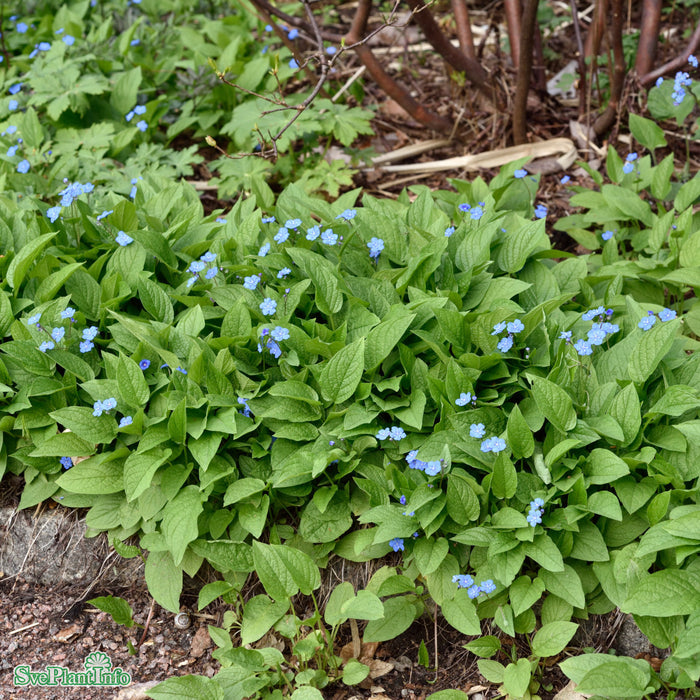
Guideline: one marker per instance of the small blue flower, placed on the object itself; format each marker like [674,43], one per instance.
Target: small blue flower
[90,333]
[251,282]
[449,231]
[282,235]
[433,468]
[145,364]
[86,346]
[97,408]
[376,246]
[659,82]
[596,336]
[274,349]
[293,64]
[383,434]
[196,266]
[68,312]
[268,220]
[264,250]
[583,347]
[53,213]
[68,40]
[140,109]
[520,173]
[693,61]
[293,34]
[464,398]
[463,580]
[487,586]
[293,223]
[66,462]
[537,502]
[464,207]
[126,420]
[44,46]
[23,166]
[592,313]
[668,314]
[179,369]
[192,281]
[14,89]
[328,237]
[123,239]
[565,335]
[402,500]
[208,257]
[348,214]
[477,430]
[313,233]
[21,27]
[515,326]
[474,591]
[246,409]
[565,180]
[280,333]
[627,168]
[609,328]
[607,235]
[499,328]
[476,213]
[220,220]
[647,322]
[396,433]
[283,273]
[57,334]
[268,306]
[142,125]
[505,344]
[34,320]
[330,50]
[498,444]
[396,544]
[109,404]
[211,273]
[129,115]
[134,42]
[47,345]
[540,211]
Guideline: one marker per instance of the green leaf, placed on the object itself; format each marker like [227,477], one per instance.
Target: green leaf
[647,132]
[155,300]
[615,679]
[554,403]
[117,607]
[551,639]
[492,671]
[383,337]
[64,445]
[628,203]
[520,438]
[139,469]
[363,606]
[448,695]
[321,272]
[342,593]
[177,423]
[342,373]
[484,647]
[164,580]
[399,615]
[652,347]
[462,503]
[354,672]
[96,475]
[259,615]
[504,482]
[664,594]
[524,593]
[429,554]
[187,688]
[132,384]
[49,287]
[179,524]
[79,419]
[306,692]
[460,612]
[604,466]
[24,259]
[565,585]
[687,194]
[516,678]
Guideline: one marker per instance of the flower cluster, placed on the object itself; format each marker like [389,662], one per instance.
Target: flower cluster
[681,81]
[347,215]
[376,246]
[68,196]
[473,590]
[66,462]
[396,544]
[534,517]
[596,335]
[513,328]
[540,211]
[199,265]
[650,319]
[474,212]
[628,167]
[432,468]
[393,433]
[89,334]
[139,109]
[103,406]
[277,335]
[493,444]
[465,398]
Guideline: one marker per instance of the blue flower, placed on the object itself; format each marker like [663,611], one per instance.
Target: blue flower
[498,444]
[196,266]
[12,105]
[537,502]
[211,273]
[463,580]
[268,220]
[251,282]
[313,233]
[487,586]
[123,239]
[402,500]
[283,273]
[474,591]
[109,404]
[464,398]
[10,130]
[396,433]
[57,334]
[140,109]
[396,544]
[505,344]
[592,313]
[476,213]
[565,335]
[328,237]
[280,333]
[47,345]
[43,46]
[68,40]
[348,214]
[129,115]
[596,336]
[449,231]
[90,333]
[607,235]
[464,207]
[293,223]
[667,314]
[208,257]
[126,420]
[179,369]
[499,328]
[515,326]
[627,168]
[583,347]
[14,89]
[477,430]
[53,213]
[520,173]
[293,63]
[134,42]
[264,250]
[97,408]
[86,346]
[330,50]
[540,211]
[383,434]
[23,166]
[274,349]
[144,364]
[268,306]
[282,235]
[609,328]
[433,468]
[246,409]
[564,180]
[293,34]
[376,246]
[21,27]
[220,220]
[192,280]
[647,322]
[34,320]
[142,125]
[66,462]
[68,312]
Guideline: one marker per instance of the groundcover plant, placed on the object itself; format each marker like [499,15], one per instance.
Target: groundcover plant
[515,427]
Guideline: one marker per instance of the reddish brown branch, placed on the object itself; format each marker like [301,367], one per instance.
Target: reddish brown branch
[617,82]
[677,63]
[512,10]
[522,87]
[472,69]
[597,28]
[385,82]
[648,36]
[581,61]
[464,28]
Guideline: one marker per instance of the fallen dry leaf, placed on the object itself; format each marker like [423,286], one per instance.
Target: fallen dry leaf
[379,668]
[200,642]
[367,652]
[68,633]
[569,692]
[136,691]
